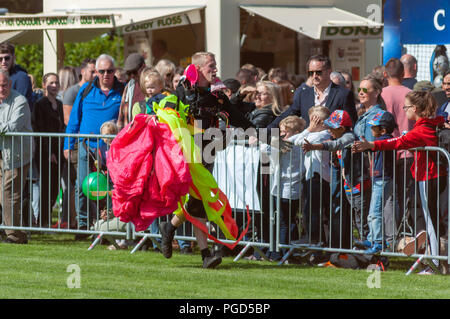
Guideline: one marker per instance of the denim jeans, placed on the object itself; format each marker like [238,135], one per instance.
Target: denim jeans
[154,229]
[83,213]
[381,194]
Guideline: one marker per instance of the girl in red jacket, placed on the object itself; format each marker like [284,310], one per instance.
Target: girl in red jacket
[419,107]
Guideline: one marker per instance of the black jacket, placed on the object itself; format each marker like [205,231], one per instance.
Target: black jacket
[205,106]
[21,82]
[262,117]
[208,106]
[244,107]
[47,120]
[339,98]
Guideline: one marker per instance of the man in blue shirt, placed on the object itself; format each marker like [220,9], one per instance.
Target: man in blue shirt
[99,104]
[18,75]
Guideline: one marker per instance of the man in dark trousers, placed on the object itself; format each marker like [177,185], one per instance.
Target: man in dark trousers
[324,92]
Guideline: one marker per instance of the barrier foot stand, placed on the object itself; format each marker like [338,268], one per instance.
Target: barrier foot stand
[139,244]
[286,256]
[96,241]
[415,265]
[242,252]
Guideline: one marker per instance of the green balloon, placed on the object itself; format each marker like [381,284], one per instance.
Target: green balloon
[95,186]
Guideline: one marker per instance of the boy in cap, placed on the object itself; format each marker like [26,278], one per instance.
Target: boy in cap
[382,126]
[355,174]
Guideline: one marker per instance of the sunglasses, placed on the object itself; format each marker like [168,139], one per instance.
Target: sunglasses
[109,71]
[6,58]
[362,89]
[311,73]
[406,107]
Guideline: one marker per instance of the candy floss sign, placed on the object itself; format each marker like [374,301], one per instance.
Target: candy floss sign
[55,22]
[175,20]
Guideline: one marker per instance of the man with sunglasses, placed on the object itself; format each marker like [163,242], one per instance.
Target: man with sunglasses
[323,92]
[18,76]
[97,102]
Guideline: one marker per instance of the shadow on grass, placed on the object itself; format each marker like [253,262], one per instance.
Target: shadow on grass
[39,238]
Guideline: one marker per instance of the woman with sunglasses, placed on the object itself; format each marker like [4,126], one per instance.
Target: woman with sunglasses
[427,169]
[268,104]
[369,93]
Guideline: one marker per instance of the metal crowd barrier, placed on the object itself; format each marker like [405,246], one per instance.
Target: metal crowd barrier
[42,200]
[405,223]
[246,177]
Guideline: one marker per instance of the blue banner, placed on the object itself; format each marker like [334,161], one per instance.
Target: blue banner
[392,47]
[425,22]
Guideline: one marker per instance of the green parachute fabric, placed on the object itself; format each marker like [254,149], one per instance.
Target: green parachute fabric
[204,187]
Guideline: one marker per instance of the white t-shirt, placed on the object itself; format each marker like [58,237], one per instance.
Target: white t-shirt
[288,170]
[315,161]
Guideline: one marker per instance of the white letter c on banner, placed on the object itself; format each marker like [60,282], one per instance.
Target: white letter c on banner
[435,20]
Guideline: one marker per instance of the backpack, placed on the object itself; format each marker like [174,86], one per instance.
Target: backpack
[88,89]
[358,261]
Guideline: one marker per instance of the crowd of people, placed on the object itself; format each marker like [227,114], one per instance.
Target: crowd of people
[335,141]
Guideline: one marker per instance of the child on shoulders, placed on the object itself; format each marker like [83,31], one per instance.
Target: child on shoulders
[152,84]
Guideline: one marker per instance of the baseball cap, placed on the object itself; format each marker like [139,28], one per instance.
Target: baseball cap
[423,86]
[338,118]
[385,119]
[133,62]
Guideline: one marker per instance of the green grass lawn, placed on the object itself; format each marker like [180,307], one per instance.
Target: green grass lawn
[39,270]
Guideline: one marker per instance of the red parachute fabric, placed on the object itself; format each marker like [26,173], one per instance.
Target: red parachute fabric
[148,170]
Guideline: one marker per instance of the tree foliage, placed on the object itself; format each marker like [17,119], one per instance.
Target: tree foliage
[31,56]
[77,52]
